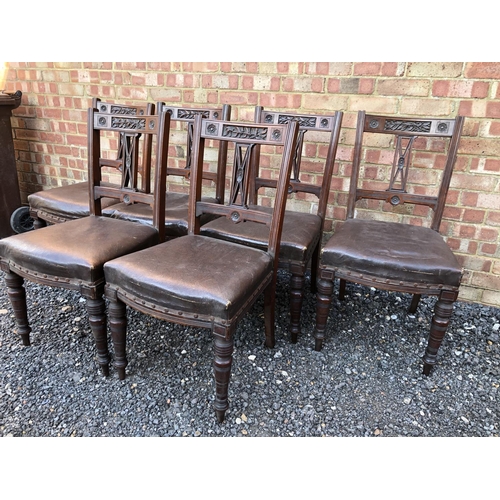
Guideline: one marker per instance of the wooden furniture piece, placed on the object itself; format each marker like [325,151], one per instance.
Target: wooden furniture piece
[72,255]
[10,197]
[200,281]
[302,232]
[176,206]
[60,204]
[392,255]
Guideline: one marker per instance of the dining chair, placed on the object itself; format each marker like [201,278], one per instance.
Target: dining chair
[176,206]
[63,203]
[72,255]
[302,231]
[396,244]
[201,281]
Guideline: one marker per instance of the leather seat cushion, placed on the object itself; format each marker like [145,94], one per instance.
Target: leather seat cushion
[68,202]
[392,251]
[78,248]
[301,232]
[193,274]
[176,213]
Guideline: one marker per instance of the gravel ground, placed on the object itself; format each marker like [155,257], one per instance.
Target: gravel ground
[366,381]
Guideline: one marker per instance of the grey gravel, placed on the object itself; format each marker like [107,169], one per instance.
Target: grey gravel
[366,381]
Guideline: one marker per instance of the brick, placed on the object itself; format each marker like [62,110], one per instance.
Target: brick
[302,84]
[493,109]
[279,100]
[367,68]
[200,67]
[324,68]
[70,89]
[220,81]
[478,182]
[472,108]
[435,69]
[372,104]
[494,129]
[496,267]
[492,165]
[261,82]
[489,70]
[460,88]
[239,67]
[426,107]
[489,200]
[474,216]
[488,234]
[490,297]
[485,280]
[470,294]
[469,198]
[400,87]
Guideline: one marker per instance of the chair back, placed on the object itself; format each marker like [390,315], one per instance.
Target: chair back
[132,128]
[415,151]
[325,128]
[245,138]
[140,164]
[187,115]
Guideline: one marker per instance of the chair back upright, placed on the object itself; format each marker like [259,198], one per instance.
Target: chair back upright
[140,163]
[246,138]
[320,125]
[187,115]
[405,132]
[131,129]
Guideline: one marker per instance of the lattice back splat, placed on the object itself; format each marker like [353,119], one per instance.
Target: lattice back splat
[405,132]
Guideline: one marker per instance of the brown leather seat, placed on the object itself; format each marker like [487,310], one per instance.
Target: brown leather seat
[75,252]
[64,203]
[201,281]
[165,278]
[302,232]
[396,256]
[72,255]
[176,213]
[393,252]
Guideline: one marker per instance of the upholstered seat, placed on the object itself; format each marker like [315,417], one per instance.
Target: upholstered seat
[201,281]
[302,232]
[72,255]
[298,239]
[176,213]
[403,254]
[65,202]
[190,275]
[76,250]
[392,251]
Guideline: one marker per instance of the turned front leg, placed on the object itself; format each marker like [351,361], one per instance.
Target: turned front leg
[96,309]
[323,303]
[314,267]
[223,350]
[269,314]
[17,296]
[442,314]
[118,326]
[297,281]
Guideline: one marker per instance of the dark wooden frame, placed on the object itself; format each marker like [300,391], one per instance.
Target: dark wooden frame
[222,329]
[93,291]
[406,128]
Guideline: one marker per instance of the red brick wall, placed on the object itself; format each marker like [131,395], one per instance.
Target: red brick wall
[50,128]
